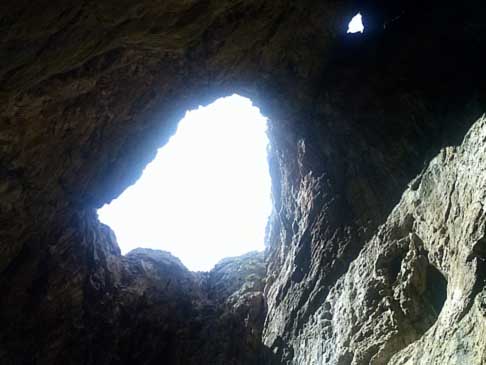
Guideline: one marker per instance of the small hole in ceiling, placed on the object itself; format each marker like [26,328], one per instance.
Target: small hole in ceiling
[356,24]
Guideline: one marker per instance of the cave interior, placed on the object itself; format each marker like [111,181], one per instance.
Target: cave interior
[375,249]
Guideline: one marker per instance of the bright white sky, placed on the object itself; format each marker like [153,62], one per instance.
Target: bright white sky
[206,195]
[356,24]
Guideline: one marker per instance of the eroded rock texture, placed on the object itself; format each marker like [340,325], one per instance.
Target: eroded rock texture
[420,280]
[143,308]
[366,262]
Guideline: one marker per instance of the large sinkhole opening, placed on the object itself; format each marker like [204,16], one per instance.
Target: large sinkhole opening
[206,195]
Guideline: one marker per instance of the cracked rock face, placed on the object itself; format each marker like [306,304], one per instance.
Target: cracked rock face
[415,292]
[375,249]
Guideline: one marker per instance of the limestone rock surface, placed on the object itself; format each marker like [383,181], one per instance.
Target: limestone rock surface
[146,307]
[415,294]
[375,249]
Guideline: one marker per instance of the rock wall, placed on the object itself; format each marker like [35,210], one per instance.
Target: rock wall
[145,307]
[416,292]
[357,271]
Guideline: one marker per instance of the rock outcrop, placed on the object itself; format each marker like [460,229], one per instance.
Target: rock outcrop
[183,317]
[145,307]
[375,249]
[416,292]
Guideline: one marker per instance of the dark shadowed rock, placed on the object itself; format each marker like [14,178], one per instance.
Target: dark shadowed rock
[375,249]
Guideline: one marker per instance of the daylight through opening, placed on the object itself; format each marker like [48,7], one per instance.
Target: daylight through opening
[206,195]
[356,24]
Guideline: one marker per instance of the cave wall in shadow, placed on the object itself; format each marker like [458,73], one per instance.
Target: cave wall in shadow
[89,91]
